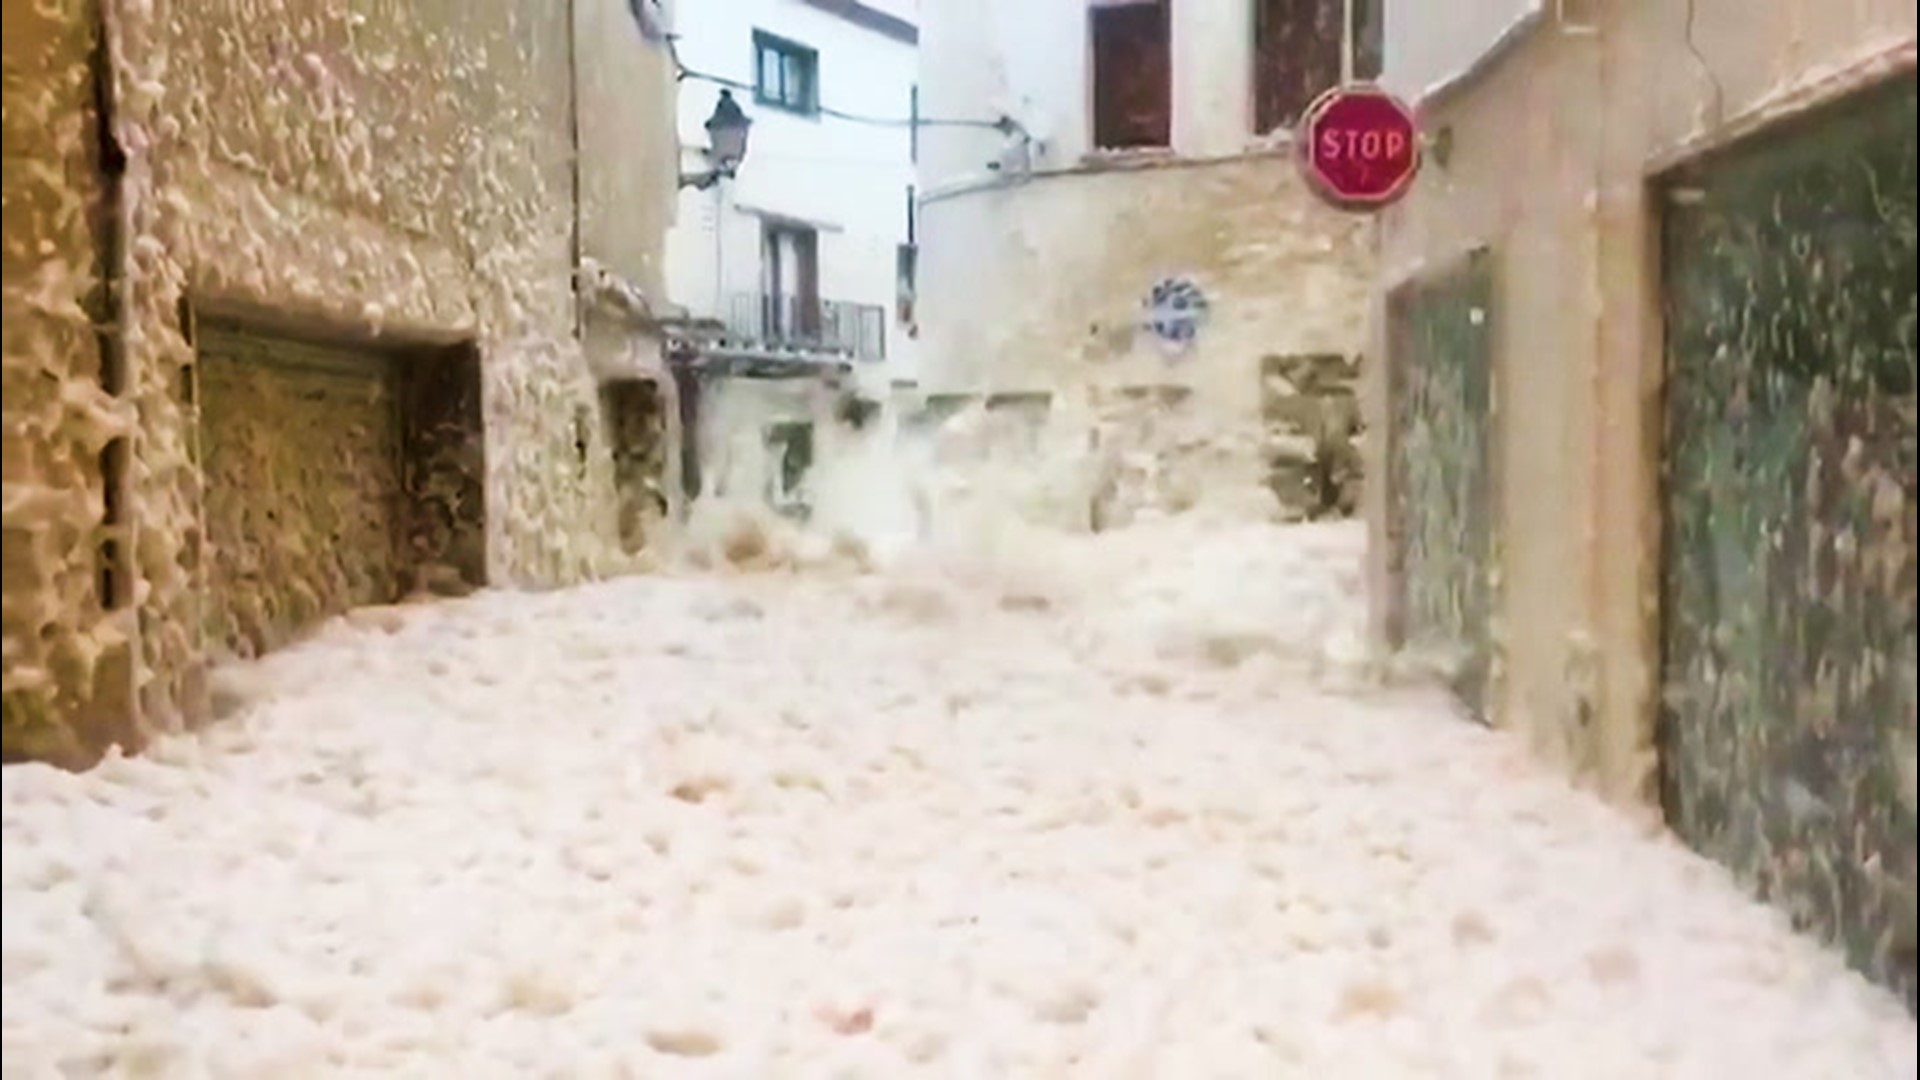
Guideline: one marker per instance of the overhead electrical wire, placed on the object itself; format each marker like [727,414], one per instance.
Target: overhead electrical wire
[1006,125]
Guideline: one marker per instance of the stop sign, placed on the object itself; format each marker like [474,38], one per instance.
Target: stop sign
[1359,147]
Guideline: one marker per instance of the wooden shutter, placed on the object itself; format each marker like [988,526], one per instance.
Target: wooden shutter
[1132,76]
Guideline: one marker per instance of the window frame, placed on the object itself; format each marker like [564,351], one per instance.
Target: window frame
[788,52]
[1351,19]
[1256,87]
[1163,142]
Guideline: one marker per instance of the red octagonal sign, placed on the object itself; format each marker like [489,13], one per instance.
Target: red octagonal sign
[1359,147]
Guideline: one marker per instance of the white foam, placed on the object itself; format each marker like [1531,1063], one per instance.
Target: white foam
[956,817]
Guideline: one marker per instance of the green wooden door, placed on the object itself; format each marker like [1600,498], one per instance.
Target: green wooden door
[1788,568]
[1440,469]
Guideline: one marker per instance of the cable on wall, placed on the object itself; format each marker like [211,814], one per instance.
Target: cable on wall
[1005,125]
[1719,104]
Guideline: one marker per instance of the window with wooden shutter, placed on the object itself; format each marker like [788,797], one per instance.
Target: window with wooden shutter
[786,74]
[1297,51]
[1132,76]
[1368,35]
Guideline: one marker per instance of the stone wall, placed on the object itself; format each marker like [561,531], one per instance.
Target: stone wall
[402,174]
[1310,408]
[302,459]
[636,413]
[1564,161]
[1547,158]
[68,626]
[1093,272]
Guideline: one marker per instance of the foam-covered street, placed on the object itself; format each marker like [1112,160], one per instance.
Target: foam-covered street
[1123,806]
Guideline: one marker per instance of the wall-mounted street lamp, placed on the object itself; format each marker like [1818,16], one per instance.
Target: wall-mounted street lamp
[726,143]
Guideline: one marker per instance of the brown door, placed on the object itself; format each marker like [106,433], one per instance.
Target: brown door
[807,286]
[1132,76]
[791,277]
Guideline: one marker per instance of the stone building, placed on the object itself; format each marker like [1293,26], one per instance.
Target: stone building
[1133,243]
[1645,418]
[312,306]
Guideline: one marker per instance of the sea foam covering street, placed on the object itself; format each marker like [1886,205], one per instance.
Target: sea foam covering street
[1124,805]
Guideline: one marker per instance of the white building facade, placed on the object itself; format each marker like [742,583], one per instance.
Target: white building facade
[807,246]
[1144,236]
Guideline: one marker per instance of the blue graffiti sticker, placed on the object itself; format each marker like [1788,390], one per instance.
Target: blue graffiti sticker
[1175,309]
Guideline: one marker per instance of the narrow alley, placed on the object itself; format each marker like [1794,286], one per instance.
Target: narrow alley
[979,539]
[1063,809]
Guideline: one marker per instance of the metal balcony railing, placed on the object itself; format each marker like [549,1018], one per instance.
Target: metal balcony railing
[836,327]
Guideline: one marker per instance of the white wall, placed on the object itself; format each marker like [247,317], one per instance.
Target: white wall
[1038,282]
[1030,60]
[1429,43]
[899,9]
[849,180]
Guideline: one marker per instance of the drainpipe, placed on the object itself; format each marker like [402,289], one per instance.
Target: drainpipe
[115,313]
[575,246]
[719,249]
[683,365]
[114,317]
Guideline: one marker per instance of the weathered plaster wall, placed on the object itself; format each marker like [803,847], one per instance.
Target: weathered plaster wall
[1038,277]
[1428,44]
[849,180]
[1550,154]
[735,461]
[1552,150]
[984,58]
[1310,409]
[628,145]
[628,176]
[628,182]
[403,170]
[1545,320]
[1042,284]
[66,654]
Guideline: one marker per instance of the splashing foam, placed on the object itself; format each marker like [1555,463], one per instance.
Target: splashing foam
[906,823]
[1050,514]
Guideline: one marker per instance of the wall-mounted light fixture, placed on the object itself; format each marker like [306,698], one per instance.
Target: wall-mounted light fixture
[727,132]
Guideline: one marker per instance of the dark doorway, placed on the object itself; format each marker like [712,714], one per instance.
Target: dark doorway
[636,421]
[336,475]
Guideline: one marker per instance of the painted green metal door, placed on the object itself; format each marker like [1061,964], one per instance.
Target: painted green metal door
[1440,469]
[1788,568]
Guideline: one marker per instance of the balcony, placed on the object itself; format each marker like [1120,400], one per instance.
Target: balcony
[831,328]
